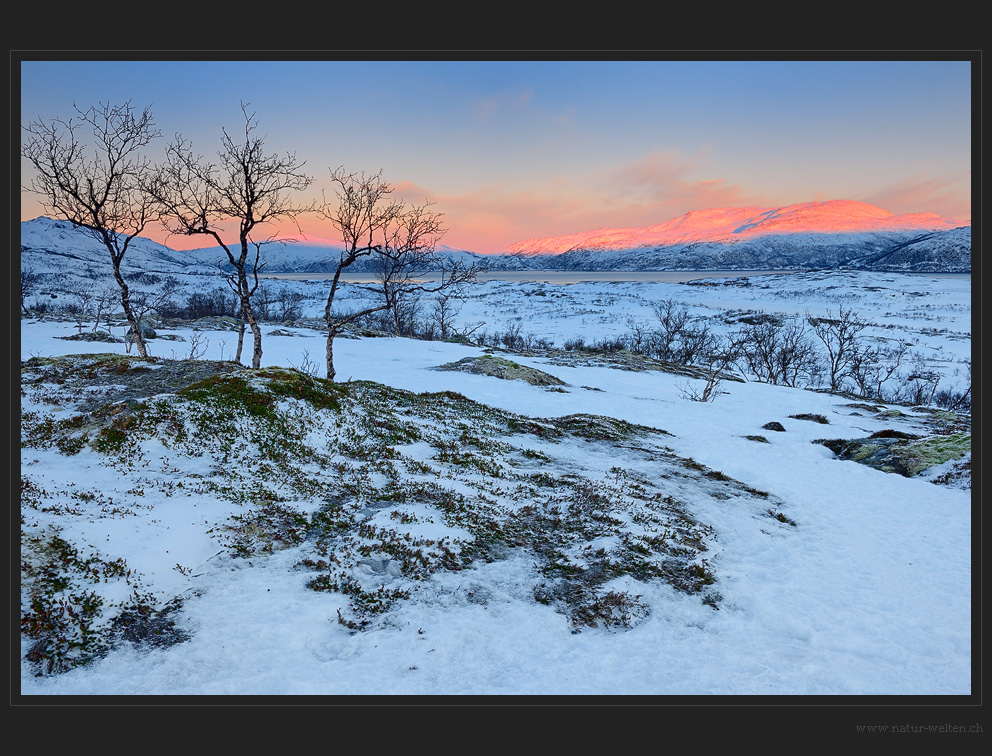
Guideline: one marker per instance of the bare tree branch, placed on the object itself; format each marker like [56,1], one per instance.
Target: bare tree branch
[246,187]
[401,239]
[103,186]
[841,338]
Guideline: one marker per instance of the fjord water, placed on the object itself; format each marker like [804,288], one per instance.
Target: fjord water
[564,277]
[555,276]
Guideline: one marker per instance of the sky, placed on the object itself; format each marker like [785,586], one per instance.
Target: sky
[514,150]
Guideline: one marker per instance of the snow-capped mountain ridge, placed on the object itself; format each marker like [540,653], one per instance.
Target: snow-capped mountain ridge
[835,234]
[731,224]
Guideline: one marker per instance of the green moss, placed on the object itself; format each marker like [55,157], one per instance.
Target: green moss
[895,454]
[918,456]
[863,452]
[113,437]
[321,393]
[233,392]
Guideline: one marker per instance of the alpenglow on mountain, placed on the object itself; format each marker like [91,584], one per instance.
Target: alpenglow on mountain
[838,233]
[835,234]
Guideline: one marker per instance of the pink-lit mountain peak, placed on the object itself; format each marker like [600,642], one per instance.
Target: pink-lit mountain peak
[731,224]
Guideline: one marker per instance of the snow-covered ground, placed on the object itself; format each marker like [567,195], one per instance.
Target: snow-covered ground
[869,593]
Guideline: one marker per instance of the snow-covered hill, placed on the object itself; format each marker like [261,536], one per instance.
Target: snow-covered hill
[424,532]
[48,246]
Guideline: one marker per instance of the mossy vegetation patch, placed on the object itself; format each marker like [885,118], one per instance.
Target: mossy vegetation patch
[87,382]
[925,453]
[901,453]
[812,417]
[231,391]
[64,608]
[500,367]
[377,490]
[293,384]
[91,336]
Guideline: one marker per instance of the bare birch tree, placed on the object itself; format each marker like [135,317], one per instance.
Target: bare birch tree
[779,354]
[101,185]
[841,339]
[873,366]
[402,239]
[245,187]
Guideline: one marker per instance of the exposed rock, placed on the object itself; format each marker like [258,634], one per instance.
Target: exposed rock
[120,378]
[895,452]
[812,417]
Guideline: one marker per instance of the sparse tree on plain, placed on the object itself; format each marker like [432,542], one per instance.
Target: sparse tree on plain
[81,295]
[673,320]
[722,353]
[873,366]
[779,354]
[638,337]
[403,239]
[842,339]
[245,187]
[443,316]
[922,382]
[963,399]
[104,300]
[102,186]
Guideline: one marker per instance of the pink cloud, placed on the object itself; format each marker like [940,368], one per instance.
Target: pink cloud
[947,196]
[658,187]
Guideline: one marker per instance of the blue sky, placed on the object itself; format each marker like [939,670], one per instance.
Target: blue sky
[511,150]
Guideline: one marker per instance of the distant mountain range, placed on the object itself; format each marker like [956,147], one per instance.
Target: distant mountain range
[839,233]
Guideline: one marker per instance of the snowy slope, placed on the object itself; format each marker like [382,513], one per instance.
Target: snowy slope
[869,592]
